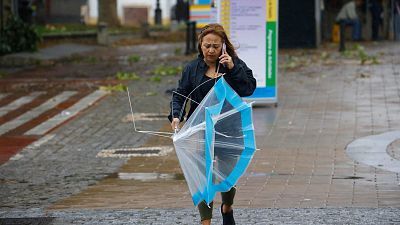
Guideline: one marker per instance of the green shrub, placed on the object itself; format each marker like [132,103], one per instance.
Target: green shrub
[3,74]
[127,76]
[18,36]
[167,70]
[358,52]
[133,58]
[155,78]
[111,88]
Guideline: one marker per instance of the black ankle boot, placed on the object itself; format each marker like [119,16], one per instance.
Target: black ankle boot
[227,218]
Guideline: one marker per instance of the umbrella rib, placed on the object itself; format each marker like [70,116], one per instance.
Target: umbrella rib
[155,133]
[187,97]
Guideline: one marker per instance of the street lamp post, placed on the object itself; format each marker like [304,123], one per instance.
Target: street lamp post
[1,17]
[157,13]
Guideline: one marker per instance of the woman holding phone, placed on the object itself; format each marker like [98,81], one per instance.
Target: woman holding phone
[216,57]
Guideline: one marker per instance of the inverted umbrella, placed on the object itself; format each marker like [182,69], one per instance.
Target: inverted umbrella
[216,144]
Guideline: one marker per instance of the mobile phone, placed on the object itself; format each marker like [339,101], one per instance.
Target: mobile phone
[223,50]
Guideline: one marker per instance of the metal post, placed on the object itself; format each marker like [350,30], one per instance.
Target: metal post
[187,51]
[391,23]
[157,14]
[194,38]
[342,46]
[102,33]
[1,18]
[190,37]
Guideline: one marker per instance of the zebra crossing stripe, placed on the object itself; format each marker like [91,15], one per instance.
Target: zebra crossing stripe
[18,103]
[49,104]
[3,95]
[58,119]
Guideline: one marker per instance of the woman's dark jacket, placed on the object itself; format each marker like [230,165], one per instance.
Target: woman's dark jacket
[240,78]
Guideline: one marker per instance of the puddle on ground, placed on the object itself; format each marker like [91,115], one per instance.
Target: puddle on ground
[258,174]
[147,176]
[264,117]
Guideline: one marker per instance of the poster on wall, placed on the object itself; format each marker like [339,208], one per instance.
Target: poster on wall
[252,27]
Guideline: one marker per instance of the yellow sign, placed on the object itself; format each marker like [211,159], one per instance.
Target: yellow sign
[272,10]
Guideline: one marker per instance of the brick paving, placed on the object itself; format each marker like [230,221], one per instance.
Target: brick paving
[302,161]
[298,216]
[26,119]
[300,171]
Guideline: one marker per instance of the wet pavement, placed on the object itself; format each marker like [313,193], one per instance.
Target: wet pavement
[51,53]
[374,151]
[301,174]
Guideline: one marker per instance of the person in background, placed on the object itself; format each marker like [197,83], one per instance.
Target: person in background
[376,10]
[348,16]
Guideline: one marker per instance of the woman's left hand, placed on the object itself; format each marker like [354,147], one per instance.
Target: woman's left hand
[226,60]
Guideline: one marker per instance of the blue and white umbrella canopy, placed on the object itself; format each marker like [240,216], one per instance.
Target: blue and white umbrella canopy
[215,146]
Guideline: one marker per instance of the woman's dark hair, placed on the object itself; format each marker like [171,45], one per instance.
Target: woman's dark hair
[217,29]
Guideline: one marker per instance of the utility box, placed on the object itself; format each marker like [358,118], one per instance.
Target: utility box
[299,23]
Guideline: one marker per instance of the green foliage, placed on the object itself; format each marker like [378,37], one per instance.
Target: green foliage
[118,87]
[64,28]
[167,70]
[91,59]
[358,51]
[18,36]
[133,58]
[292,62]
[151,93]
[155,78]
[67,28]
[127,76]
[325,55]
[178,51]
[162,70]
[3,74]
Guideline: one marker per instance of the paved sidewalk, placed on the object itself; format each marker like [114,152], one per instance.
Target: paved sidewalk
[301,175]
[50,53]
[298,216]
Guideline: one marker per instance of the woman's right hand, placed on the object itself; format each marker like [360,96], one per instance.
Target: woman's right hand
[175,124]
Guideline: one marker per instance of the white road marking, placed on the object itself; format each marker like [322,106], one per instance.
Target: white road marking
[46,126]
[3,95]
[18,103]
[33,146]
[49,104]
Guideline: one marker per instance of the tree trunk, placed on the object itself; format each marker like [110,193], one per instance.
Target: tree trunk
[108,12]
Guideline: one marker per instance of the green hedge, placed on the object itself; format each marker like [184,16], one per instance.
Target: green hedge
[18,36]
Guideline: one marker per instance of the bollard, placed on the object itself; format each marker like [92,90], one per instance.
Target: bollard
[187,51]
[194,37]
[102,33]
[342,46]
[157,14]
[1,18]
[190,37]
[144,30]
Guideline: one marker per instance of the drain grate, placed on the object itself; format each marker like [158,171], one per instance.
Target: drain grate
[348,178]
[140,152]
[135,152]
[144,117]
[26,221]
